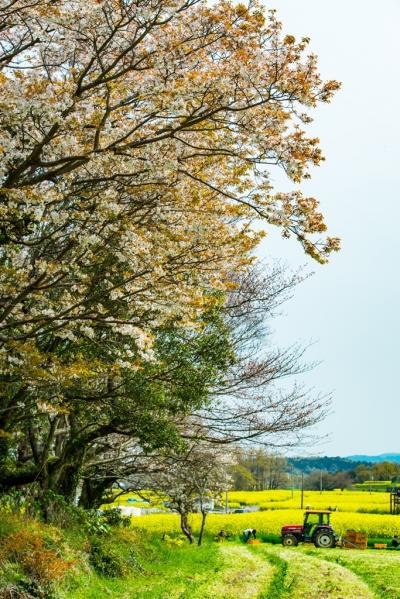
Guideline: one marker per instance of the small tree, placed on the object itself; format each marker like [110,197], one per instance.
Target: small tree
[190,480]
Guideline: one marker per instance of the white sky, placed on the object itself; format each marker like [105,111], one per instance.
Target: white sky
[351,306]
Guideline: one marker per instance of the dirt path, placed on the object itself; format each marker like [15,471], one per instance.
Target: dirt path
[309,577]
[379,569]
[245,574]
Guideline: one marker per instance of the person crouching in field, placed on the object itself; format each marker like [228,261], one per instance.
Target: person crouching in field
[221,536]
[248,533]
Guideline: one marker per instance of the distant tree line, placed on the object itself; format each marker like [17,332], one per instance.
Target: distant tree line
[258,469]
[330,464]
[379,471]
[343,479]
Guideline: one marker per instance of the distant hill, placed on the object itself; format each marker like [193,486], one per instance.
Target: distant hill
[333,464]
[326,463]
[373,459]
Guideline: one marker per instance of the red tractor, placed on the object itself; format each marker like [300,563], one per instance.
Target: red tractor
[315,529]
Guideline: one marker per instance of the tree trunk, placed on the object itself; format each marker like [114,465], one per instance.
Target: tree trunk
[65,474]
[203,525]
[186,528]
[69,481]
[93,492]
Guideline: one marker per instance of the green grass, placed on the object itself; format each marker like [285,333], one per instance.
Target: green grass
[379,569]
[232,570]
[213,571]
[165,572]
[172,569]
[306,576]
[235,571]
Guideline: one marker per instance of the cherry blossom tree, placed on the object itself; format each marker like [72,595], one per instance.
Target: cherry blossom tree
[190,479]
[136,140]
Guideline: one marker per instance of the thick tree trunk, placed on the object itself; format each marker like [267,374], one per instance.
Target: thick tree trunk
[4,448]
[68,482]
[202,528]
[93,492]
[15,476]
[60,478]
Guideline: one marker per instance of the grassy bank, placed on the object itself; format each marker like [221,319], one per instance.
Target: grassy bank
[85,562]
[38,560]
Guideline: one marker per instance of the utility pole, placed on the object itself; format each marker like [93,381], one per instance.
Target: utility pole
[320,482]
[226,493]
[291,479]
[302,490]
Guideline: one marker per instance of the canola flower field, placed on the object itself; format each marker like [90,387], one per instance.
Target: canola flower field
[357,510]
[375,525]
[344,501]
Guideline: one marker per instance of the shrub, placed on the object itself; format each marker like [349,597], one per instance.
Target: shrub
[27,590]
[9,523]
[134,562]
[13,501]
[93,522]
[105,559]
[114,517]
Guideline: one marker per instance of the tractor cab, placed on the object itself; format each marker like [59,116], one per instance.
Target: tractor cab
[315,529]
[313,520]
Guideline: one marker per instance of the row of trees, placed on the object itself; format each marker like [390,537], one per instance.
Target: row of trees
[379,471]
[328,481]
[136,139]
[326,463]
[258,469]
[343,479]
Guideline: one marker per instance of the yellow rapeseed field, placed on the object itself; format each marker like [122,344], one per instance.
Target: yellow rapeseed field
[279,508]
[344,501]
[375,525]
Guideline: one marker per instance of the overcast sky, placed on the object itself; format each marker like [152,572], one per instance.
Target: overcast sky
[351,306]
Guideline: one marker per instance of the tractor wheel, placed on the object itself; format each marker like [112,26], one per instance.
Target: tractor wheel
[290,541]
[324,539]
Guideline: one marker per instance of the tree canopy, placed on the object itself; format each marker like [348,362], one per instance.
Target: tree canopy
[137,140]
